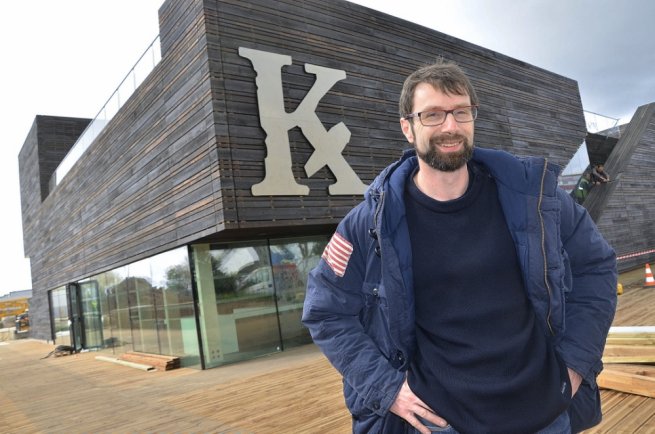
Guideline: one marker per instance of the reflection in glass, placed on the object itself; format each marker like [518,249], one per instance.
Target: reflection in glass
[249,302]
[174,307]
[142,297]
[237,304]
[292,260]
[91,320]
[59,316]
[251,296]
[148,307]
[114,292]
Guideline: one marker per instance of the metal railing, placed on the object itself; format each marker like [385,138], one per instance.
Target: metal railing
[597,123]
[143,66]
[571,175]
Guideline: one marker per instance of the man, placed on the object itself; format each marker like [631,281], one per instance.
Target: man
[467,293]
[598,174]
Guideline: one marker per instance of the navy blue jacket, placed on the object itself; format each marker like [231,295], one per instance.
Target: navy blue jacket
[363,321]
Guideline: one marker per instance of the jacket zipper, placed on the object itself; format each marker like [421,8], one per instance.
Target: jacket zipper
[543,248]
[378,208]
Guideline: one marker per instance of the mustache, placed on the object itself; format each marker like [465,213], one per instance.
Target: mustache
[445,138]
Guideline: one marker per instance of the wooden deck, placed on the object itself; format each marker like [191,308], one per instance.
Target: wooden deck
[292,392]
[626,413]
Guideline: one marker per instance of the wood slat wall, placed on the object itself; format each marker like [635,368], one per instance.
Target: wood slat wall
[177,162]
[48,142]
[524,109]
[625,208]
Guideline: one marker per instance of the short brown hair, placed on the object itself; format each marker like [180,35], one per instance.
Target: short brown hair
[446,76]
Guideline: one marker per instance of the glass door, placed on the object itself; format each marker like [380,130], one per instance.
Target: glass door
[60,323]
[84,315]
[75,316]
[90,313]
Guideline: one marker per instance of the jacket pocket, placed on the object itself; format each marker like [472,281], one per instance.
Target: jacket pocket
[375,319]
[585,410]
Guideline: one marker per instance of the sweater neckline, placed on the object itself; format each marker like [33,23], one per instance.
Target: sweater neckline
[470,195]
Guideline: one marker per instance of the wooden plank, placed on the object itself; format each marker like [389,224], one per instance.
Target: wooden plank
[154,356]
[629,354]
[644,331]
[638,380]
[630,339]
[159,361]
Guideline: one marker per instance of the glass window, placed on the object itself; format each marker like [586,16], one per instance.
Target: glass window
[251,296]
[238,315]
[92,322]
[292,260]
[115,310]
[143,299]
[250,299]
[174,307]
[59,316]
[146,306]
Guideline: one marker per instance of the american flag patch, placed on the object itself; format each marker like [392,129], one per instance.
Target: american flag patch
[337,254]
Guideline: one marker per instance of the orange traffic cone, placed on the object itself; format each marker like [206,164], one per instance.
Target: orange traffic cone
[649,277]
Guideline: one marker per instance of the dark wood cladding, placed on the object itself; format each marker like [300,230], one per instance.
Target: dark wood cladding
[625,208]
[177,162]
[524,109]
[48,142]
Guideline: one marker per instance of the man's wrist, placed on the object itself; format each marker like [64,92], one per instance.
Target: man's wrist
[576,380]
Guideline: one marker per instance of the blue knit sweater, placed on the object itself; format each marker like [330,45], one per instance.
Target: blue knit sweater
[481,361]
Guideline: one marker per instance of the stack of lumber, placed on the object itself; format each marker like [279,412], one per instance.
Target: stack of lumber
[629,359]
[159,361]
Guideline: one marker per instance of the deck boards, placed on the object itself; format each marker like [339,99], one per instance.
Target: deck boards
[292,392]
[622,412]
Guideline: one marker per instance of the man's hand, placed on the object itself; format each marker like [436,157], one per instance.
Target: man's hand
[408,406]
[576,379]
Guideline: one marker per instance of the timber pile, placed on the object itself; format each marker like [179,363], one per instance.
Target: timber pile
[162,362]
[629,359]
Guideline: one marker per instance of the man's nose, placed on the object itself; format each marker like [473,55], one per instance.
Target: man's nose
[449,124]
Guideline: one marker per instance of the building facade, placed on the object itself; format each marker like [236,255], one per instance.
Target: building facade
[189,225]
[624,208]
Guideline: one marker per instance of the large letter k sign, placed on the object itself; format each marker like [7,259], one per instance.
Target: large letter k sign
[276,122]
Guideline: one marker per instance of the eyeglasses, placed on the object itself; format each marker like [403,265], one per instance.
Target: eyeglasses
[435,118]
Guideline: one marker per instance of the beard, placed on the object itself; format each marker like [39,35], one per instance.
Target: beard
[446,161]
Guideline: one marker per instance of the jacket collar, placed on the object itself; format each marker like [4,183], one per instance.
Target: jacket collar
[526,175]
[386,191]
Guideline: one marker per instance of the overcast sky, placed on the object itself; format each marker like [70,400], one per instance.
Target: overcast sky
[66,57]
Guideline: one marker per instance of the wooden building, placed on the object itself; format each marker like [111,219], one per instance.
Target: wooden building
[624,208]
[189,224]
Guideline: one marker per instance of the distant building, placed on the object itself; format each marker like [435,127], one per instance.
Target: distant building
[12,304]
[27,293]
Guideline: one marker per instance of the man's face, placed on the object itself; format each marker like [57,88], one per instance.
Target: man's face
[445,147]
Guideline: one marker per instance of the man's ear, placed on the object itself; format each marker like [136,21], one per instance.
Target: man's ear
[407,129]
